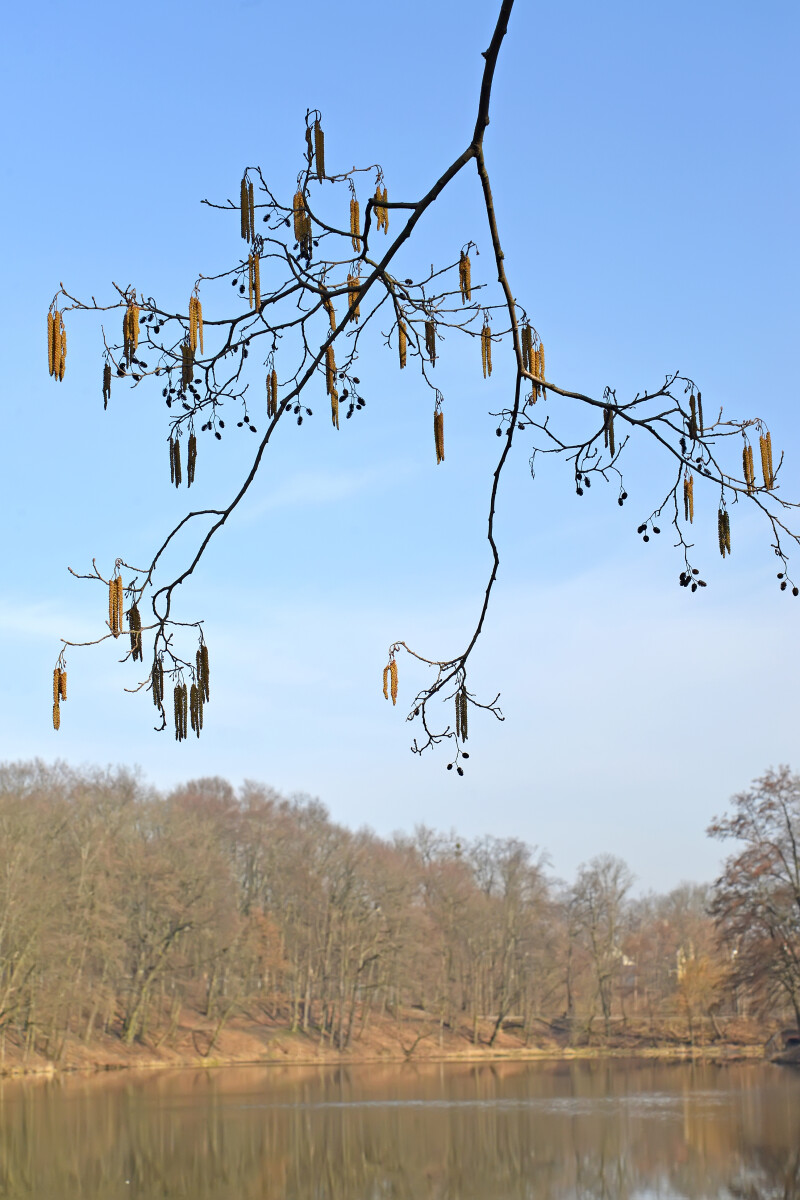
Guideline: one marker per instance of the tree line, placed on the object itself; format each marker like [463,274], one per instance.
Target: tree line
[123,908]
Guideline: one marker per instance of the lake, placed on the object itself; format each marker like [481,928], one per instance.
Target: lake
[538,1131]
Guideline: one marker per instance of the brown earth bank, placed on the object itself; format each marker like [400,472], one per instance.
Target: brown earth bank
[249,1039]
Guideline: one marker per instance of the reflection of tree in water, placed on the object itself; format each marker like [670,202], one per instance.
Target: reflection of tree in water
[774,1176]
[514,1132]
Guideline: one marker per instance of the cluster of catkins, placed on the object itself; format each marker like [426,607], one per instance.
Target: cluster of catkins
[56,344]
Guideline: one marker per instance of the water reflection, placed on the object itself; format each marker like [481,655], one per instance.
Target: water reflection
[505,1132]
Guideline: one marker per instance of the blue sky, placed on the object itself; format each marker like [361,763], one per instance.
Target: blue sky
[644,165]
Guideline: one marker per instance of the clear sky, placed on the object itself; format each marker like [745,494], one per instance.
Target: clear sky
[644,161]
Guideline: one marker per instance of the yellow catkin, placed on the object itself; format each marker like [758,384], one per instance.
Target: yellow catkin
[334,408]
[192,324]
[327,304]
[191,459]
[257,281]
[62,684]
[56,717]
[765,445]
[381,212]
[438,434]
[402,342]
[330,369]
[251,210]
[199,312]
[56,341]
[465,277]
[50,343]
[486,350]
[355,224]
[386,673]
[688,498]
[540,361]
[130,332]
[115,605]
[181,706]
[56,687]
[393,680]
[319,150]
[747,452]
[430,341]
[353,282]
[272,393]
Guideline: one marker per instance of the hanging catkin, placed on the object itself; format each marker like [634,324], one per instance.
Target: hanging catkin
[181,705]
[381,212]
[157,682]
[56,344]
[319,149]
[700,412]
[272,393]
[196,709]
[135,629]
[195,324]
[355,224]
[191,459]
[465,277]
[390,681]
[748,468]
[244,204]
[187,364]
[430,341]
[438,434]
[527,347]
[201,660]
[106,385]
[353,282]
[402,342]
[540,361]
[486,350]
[175,473]
[608,429]
[724,531]
[130,332]
[765,443]
[688,498]
[115,605]
[461,713]
[692,418]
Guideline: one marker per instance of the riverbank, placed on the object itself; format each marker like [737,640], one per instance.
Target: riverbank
[197,1042]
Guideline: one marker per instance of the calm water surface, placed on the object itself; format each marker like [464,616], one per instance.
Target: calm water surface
[532,1131]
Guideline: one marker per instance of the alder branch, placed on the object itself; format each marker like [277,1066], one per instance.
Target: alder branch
[306,273]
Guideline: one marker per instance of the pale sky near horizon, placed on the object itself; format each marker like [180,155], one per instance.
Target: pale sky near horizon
[644,163]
